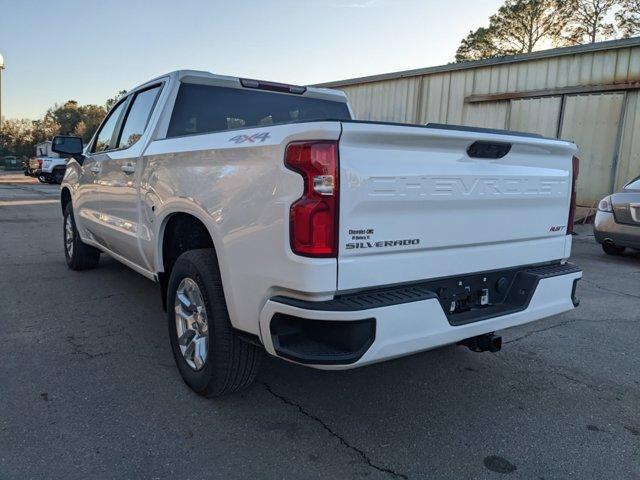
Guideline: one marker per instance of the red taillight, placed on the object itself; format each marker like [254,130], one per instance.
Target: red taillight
[39,163]
[572,207]
[314,216]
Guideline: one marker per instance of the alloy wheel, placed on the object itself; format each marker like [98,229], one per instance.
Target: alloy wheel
[68,236]
[192,326]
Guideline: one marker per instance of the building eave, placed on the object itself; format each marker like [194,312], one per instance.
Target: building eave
[452,67]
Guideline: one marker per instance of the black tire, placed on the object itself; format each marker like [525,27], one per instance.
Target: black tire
[58,175]
[41,179]
[82,256]
[231,363]
[611,248]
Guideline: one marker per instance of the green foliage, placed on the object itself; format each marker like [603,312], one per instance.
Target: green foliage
[521,26]
[112,101]
[90,118]
[477,46]
[20,136]
[16,137]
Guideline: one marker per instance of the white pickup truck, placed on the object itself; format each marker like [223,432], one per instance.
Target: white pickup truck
[46,169]
[273,221]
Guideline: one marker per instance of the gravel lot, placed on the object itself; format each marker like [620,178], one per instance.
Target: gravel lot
[88,387]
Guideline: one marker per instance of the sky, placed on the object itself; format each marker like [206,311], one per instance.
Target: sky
[88,50]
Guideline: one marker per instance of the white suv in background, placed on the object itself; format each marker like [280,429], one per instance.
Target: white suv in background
[47,169]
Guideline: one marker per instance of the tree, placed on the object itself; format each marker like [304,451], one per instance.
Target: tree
[20,136]
[519,26]
[628,18]
[16,137]
[587,21]
[45,129]
[112,101]
[80,130]
[91,117]
[477,46]
[74,119]
[66,115]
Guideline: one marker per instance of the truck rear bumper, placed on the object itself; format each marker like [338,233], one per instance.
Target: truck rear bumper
[369,335]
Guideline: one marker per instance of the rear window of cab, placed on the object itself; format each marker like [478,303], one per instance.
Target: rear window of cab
[208,108]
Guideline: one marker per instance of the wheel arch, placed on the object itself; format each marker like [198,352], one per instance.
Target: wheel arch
[170,245]
[65,197]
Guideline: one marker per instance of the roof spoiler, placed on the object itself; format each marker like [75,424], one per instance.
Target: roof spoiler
[272,86]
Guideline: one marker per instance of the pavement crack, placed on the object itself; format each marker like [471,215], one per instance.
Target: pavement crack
[78,349]
[610,290]
[533,332]
[571,378]
[105,297]
[363,455]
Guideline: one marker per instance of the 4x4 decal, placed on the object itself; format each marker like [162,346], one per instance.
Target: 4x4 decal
[250,138]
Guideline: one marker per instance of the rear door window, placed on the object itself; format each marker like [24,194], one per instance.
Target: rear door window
[138,117]
[104,139]
[207,108]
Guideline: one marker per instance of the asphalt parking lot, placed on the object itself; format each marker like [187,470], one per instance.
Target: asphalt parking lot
[88,387]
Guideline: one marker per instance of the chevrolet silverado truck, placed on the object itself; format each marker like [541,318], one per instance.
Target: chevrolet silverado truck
[272,220]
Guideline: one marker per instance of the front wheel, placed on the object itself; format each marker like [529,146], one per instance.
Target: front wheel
[79,255]
[210,356]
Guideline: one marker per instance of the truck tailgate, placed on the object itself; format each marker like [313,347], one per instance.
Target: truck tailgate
[415,205]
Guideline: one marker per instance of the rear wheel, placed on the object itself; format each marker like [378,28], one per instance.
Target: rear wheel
[79,255]
[210,356]
[611,248]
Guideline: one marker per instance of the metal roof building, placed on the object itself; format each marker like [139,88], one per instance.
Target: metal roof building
[588,94]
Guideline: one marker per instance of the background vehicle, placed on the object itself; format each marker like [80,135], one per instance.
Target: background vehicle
[617,222]
[273,220]
[10,162]
[47,169]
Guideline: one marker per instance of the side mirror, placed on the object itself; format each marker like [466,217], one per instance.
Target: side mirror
[67,145]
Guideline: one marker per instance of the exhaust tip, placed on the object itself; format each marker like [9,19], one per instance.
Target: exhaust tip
[483,343]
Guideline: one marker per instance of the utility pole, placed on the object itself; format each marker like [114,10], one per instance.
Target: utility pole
[1,68]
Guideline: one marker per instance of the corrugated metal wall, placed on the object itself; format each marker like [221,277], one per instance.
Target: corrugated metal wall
[606,126]
[629,152]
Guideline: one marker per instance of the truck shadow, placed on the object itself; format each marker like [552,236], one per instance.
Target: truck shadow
[418,411]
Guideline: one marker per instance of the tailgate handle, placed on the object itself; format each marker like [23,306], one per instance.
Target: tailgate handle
[483,149]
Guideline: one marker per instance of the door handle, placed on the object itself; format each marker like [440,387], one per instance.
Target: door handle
[128,168]
[95,169]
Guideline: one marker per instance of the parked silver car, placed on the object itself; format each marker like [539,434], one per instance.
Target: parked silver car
[617,224]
